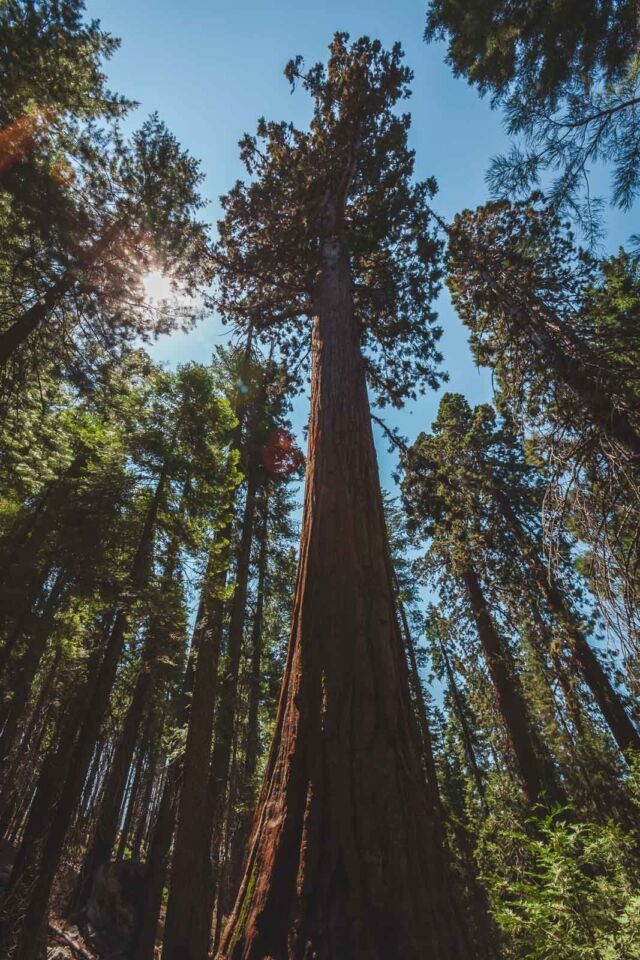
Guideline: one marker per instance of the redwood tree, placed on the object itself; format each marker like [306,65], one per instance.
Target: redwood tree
[331,239]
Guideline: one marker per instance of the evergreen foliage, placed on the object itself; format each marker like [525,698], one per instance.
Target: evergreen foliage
[387,726]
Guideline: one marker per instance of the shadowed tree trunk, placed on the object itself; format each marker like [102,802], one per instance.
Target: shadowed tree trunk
[187,926]
[226,716]
[420,705]
[534,768]
[192,887]
[32,318]
[27,667]
[60,786]
[467,738]
[158,854]
[13,772]
[611,707]
[108,817]
[346,859]
[139,802]
[252,744]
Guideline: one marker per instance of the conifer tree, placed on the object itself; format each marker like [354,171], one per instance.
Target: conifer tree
[557,326]
[567,78]
[330,242]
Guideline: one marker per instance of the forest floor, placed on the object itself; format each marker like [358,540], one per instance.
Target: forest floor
[66,938]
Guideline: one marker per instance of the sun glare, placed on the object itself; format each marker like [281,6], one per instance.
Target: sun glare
[157,286]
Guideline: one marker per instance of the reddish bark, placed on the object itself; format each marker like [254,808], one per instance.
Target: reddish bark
[346,859]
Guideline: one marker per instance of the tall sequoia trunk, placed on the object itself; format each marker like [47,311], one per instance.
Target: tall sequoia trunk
[609,703]
[346,861]
[534,767]
[60,787]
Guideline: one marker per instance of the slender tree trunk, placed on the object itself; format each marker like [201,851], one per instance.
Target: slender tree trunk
[596,393]
[108,810]
[535,770]
[19,331]
[158,855]
[346,859]
[190,906]
[467,738]
[12,776]
[420,705]
[17,609]
[247,788]
[57,797]
[26,669]
[609,703]
[187,925]
[253,727]
[228,697]
[139,803]
[157,866]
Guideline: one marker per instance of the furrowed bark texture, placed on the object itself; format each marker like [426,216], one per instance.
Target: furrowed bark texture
[345,859]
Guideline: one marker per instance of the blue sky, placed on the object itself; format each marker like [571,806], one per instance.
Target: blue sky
[212,67]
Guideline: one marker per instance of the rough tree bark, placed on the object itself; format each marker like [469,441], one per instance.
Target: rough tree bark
[345,860]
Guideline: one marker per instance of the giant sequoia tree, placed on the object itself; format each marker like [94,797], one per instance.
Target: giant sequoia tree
[330,241]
